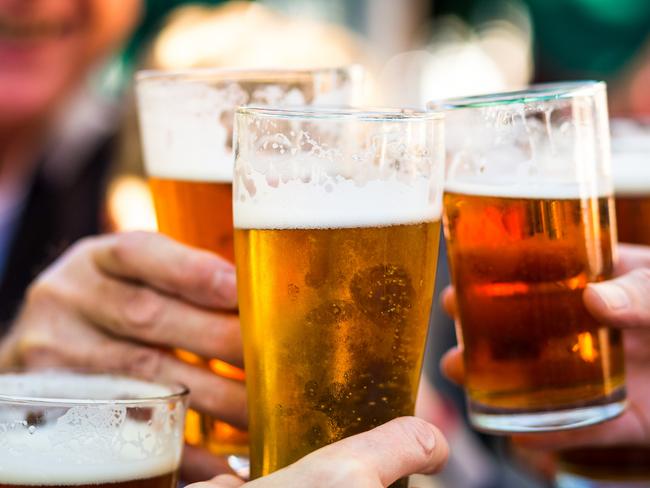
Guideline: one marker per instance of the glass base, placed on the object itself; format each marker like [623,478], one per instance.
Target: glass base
[241,465]
[566,480]
[508,422]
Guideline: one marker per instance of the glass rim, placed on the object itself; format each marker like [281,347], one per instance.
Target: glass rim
[177,391]
[237,74]
[367,114]
[541,92]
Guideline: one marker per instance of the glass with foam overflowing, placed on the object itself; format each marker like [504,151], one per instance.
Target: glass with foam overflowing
[61,428]
[186,120]
[337,220]
[529,222]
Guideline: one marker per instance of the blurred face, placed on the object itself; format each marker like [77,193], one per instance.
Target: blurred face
[48,46]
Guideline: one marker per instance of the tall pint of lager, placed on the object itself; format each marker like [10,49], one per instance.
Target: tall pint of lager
[186,127]
[337,217]
[61,429]
[529,222]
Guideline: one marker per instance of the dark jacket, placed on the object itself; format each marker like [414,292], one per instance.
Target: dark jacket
[56,213]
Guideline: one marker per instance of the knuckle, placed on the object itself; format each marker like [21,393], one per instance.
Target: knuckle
[196,271]
[421,434]
[143,362]
[35,347]
[129,244]
[40,291]
[143,309]
[81,247]
[642,276]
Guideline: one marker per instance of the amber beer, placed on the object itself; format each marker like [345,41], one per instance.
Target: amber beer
[520,265]
[632,188]
[209,203]
[623,465]
[605,467]
[336,320]
[199,213]
[186,124]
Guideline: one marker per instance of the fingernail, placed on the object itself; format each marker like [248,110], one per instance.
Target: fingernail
[224,282]
[613,295]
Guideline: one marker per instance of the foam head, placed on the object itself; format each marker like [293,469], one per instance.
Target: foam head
[336,168]
[186,119]
[70,429]
[631,157]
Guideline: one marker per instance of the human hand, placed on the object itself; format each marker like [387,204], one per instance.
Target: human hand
[623,302]
[373,459]
[120,303]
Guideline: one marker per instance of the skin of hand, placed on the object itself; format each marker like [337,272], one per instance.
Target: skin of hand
[623,302]
[120,303]
[373,459]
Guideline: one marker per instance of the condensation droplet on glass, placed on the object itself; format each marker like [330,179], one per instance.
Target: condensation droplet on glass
[31,429]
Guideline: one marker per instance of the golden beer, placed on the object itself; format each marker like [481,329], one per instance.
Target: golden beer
[186,120]
[520,266]
[199,214]
[335,321]
[337,223]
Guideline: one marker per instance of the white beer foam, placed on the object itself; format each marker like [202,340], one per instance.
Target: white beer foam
[181,130]
[51,384]
[631,174]
[84,442]
[186,127]
[338,203]
[541,190]
[631,156]
[43,458]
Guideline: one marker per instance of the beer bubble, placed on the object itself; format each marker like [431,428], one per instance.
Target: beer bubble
[330,313]
[383,293]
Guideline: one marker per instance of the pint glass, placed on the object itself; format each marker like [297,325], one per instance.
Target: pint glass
[631,171]
[621,466]
[61,429]
[186,128]
[337,220]
[529,222]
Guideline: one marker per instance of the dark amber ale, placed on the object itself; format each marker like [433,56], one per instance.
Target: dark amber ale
[199,213]
[335,322]
[633,217]
[625,465]
[620,466]
[519,266]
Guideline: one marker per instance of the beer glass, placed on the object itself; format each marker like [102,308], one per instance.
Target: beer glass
[337,220]
[623,465]
[186,130]
[631,171]
[529,222]
[61,429]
